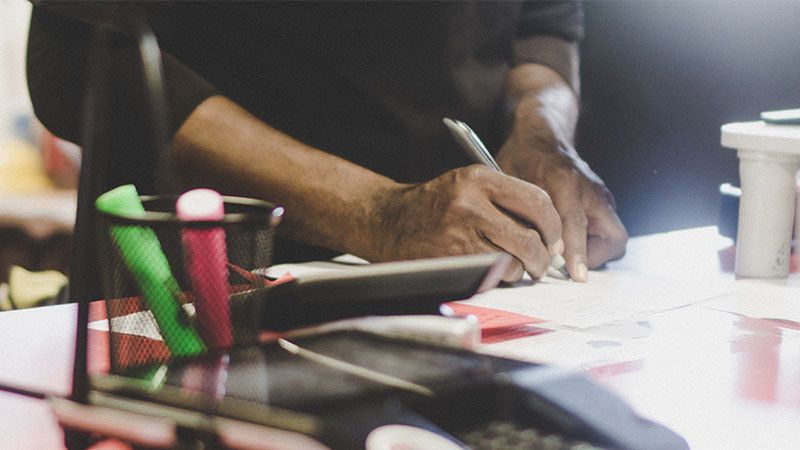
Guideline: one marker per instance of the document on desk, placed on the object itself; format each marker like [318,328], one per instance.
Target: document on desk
[570,349]
[761,299]
[623,346]
[612,295]
[608,296]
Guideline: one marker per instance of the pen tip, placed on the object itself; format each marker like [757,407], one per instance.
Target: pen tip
[558,263]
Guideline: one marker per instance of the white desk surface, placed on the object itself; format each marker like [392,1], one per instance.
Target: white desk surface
[722,369]
[714,358]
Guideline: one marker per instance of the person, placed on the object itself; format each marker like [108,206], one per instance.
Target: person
[334,110]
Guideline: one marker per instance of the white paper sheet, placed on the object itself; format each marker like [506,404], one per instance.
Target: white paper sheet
[608,296]
[627,341]
[568,349]
[761,299]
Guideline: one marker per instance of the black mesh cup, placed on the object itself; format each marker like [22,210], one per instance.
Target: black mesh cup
[155,286]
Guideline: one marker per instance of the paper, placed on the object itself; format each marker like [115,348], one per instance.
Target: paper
[761,299]
[492,318]
[497,325]
[608,296]
[568,349]
[620,346]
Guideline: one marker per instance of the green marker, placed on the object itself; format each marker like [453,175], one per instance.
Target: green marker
[146,261]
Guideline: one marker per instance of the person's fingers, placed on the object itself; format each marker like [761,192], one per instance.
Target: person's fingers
[607,236]
[514,272]
[501,220]
[519,240]
[530,204]
[482,244]
[515,269]
[574,224]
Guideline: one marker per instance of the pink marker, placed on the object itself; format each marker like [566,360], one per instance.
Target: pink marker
[206,264]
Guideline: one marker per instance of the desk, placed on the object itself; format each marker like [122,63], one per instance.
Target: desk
[720,379]
[36,352]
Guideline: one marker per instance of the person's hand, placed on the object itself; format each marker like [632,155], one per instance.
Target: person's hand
[592,232]
[469,210]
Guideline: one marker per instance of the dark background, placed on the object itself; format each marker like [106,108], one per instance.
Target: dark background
[659,78]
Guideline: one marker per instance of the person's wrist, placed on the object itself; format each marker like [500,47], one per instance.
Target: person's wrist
[544,119]
[382,212]
[535,134]
[529,150]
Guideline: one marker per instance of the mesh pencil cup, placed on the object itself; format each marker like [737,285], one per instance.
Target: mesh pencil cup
[155,281]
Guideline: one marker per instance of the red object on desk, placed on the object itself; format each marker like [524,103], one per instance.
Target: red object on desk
[497,325]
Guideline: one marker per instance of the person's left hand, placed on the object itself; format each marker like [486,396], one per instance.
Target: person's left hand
[592,232]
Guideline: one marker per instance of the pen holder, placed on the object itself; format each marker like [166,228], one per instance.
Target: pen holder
[158,270]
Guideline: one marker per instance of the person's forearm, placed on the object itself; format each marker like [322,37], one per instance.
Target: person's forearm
[543,106]
[328,200]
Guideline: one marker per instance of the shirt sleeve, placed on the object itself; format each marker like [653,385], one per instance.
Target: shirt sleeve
[59,40]
[562,19]
[548,34]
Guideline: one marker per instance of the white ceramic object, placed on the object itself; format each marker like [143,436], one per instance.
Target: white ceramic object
[769,158]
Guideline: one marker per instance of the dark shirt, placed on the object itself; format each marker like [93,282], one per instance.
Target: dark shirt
[368,81]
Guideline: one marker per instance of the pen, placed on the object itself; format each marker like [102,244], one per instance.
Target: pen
[479,154]
[142,254]
[206,264]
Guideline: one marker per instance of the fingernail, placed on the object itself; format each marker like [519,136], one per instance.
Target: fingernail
[558,247]
[583,272]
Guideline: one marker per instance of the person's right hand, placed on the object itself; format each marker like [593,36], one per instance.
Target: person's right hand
[469,210]
[332,203]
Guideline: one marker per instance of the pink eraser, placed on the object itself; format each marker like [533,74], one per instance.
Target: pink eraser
[206,263]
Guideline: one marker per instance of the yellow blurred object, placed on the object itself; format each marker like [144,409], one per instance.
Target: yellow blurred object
[27,289]
[21,169]
[5,303]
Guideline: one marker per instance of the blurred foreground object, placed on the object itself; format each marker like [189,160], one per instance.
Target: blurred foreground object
[26,289]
